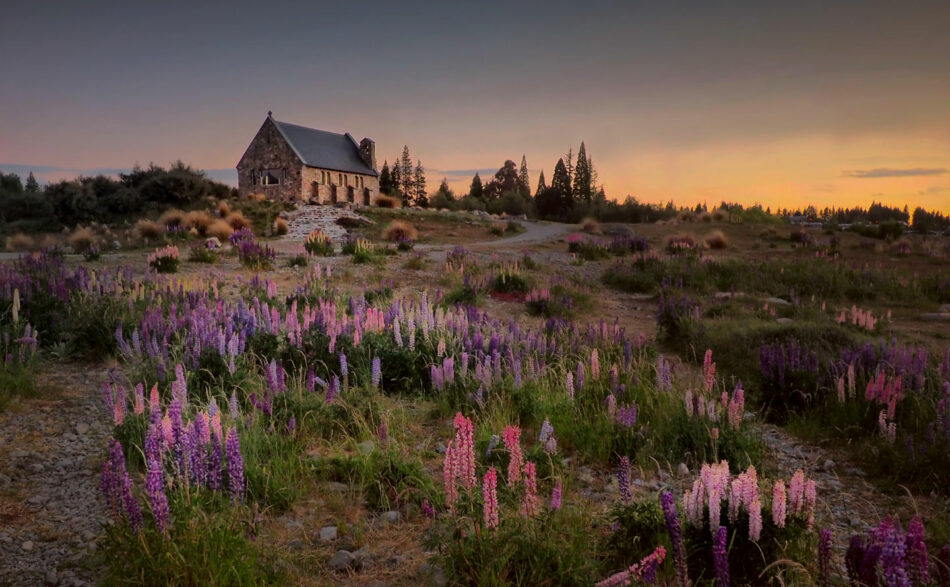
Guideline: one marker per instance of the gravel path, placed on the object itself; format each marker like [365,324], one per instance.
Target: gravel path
[51,449]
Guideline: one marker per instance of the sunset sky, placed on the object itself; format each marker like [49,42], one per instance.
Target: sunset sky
[831,103]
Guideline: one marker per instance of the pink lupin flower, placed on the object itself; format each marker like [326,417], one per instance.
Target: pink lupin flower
[449,476]
[709,371]
[594,364]
[611,406]
[168,432]
[529,505]
[153,401]
[139,406]
[778,504]
[796,492]
[465,450]
[810,498]
[512,439]
[715,510]
[570,385]
[755,520]
[556,496]
[490,498]
[841,390]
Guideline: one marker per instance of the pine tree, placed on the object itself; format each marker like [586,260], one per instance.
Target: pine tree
[541,185]
[561,181]
[405,174]
[524,182]
[594,177]
[396,181]
[476,191]
[32,186]
[581,184]
[385,179]
[420,198]
[569,164]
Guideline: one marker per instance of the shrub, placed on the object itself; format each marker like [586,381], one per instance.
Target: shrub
[172,218]
[20,242]
[802,237]
[590,226]
[716,240]
[148,229]
[237,220]
[280,226]
[362,251]
[164,260]
[497,229]
[318,243]
[298,261]
[224,208]
[221,230]
[682,244]
[92,253]
[416,262]
[202,253]
[513,226]
[82,238]
[399,230]
[391,202]
[199,221]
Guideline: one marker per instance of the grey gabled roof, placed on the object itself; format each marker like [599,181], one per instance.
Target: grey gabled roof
[327,150]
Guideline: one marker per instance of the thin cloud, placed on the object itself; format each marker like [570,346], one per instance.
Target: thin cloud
[891,172]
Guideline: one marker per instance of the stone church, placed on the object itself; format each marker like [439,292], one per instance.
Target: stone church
[295,163]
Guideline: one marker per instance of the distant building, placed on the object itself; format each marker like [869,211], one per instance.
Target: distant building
[294,163]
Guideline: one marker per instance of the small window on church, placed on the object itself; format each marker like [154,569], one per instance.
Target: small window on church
[272,176]
[341,179]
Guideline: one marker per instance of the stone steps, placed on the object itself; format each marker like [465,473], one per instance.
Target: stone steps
[307,218]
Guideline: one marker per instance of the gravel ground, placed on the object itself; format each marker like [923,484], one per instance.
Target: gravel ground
[51,449]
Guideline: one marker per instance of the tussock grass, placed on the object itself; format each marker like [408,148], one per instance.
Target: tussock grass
[400,230]
[221,230]
[20,242]
[716,240]
[383,201]
[148,229]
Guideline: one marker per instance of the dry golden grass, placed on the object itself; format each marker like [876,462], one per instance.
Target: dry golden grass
[221,230]
[591,226]
[705,217]
[173,217]
[20,242]
[716,240]
[82,238]
[148,229]
[280,227]
[199,220]
[383,201]
[400,230]
[238,220]
[719,215]
[257,197]
[224,208]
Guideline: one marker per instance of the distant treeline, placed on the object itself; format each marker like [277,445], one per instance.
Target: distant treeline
[922,220]
[31,208]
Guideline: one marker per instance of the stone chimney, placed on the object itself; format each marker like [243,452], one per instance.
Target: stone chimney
[368,152]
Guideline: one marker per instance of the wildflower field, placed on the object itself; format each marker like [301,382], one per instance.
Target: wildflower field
[581,410]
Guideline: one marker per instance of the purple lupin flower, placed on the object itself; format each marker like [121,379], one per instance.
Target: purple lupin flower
[623,479]
[676,536]
[233,406]
[235,466]
[721,557]
[133,511]
[311,380]
[892,559]
[213,463]
[155,480]
[824,557]
[333,389]
[292,425]
[344,369]
[579,378]
[427,509]
[376,372]
[917,559]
